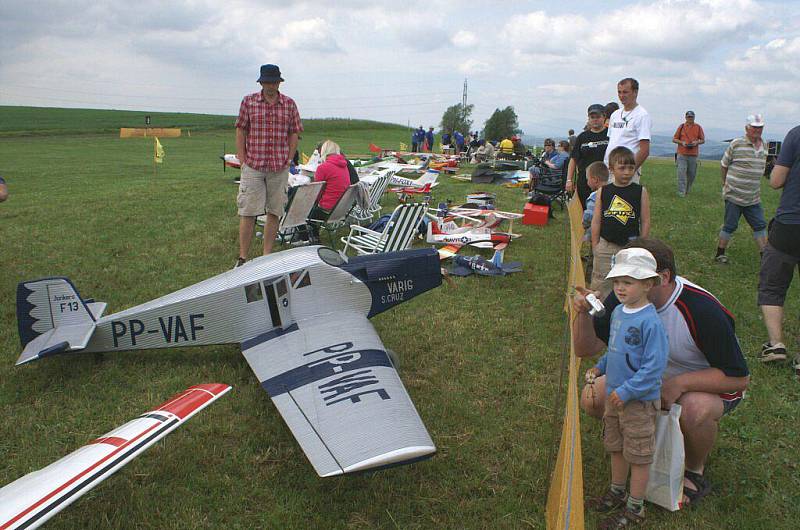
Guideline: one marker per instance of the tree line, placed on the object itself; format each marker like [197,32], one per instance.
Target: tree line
[501,124]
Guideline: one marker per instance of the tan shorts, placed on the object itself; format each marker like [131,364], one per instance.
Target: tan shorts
[631,430]
[262,191]
[601,266]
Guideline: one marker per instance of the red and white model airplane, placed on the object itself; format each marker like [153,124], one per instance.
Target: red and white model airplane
[30,501]
[454,236]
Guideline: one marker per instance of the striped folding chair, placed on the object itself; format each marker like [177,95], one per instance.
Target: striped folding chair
[396,235]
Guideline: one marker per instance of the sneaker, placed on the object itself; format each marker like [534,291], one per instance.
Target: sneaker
[608,502]
[622,520]
[239,262]
[770,353]
[796,366]
[722,258]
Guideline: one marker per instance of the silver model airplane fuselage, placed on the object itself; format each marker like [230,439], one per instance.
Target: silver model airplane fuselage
[300,317]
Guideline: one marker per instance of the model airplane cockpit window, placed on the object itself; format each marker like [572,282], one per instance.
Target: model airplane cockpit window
[331,257]
[252,292]
[304,281]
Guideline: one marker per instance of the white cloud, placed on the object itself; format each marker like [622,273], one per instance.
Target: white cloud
[474,66]
[312,34]
[464,39]
[778,57]
[540,32]
[677,30]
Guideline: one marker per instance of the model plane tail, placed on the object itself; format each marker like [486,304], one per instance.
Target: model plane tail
[53,318]
[430,177]
[497,259]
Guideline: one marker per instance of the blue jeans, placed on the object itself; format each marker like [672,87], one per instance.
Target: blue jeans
[687,170]
[753,214]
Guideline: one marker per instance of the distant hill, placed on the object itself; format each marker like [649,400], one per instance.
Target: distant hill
[48,121]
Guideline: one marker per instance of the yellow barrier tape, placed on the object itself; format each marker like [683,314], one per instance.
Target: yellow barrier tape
[565,498]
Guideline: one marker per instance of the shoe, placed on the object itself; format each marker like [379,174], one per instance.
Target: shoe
[722,258]
[622,520]
[770,353]
[796,366]
[239,262]
[607,502]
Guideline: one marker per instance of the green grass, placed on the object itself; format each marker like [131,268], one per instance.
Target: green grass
[45,121]
[479,360]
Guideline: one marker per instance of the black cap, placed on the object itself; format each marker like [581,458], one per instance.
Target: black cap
[270,73]
[690,114]
[596,108]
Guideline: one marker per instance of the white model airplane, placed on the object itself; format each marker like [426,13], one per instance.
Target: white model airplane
[429,177]
[30,501]
[452,235]
[301,317]
[230,160]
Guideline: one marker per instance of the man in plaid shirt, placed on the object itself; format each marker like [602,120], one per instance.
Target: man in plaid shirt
[267,132]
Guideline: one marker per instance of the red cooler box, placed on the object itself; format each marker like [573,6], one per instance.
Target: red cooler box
[535,214]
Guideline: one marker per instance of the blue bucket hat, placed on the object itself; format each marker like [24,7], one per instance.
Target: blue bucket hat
[270,73]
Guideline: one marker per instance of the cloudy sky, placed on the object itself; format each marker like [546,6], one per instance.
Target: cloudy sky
[405,62]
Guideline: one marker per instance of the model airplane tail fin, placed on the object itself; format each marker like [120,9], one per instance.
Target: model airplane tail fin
[53,318]
[497,259]
[430,177]
[433,228]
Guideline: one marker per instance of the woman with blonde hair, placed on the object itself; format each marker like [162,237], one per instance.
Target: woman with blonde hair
[333,171]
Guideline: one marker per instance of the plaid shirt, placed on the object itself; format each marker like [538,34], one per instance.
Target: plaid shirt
[268,128]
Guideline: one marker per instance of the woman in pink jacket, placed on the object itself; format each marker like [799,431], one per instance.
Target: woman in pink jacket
[333,171]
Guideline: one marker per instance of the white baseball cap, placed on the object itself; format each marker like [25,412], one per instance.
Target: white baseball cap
[637,263]
[755,120]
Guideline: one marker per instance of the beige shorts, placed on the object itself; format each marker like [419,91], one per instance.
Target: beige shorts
[631,430]
[601,266]
[262,191]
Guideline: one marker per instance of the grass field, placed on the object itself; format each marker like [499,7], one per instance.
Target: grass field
[481,360]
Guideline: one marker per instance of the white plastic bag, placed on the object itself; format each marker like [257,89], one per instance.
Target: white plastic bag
[665,484]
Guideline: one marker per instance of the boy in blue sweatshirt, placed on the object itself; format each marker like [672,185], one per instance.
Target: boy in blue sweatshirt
[633,365]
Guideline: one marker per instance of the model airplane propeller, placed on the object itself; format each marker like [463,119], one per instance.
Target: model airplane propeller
[301,318]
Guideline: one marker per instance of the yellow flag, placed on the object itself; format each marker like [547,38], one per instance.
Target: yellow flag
[403,147]
[304,158]
[159,151]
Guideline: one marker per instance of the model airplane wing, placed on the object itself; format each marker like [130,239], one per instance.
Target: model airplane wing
[332,381]
[33,499]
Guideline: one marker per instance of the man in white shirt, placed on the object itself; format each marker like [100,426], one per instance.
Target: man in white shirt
[630,125]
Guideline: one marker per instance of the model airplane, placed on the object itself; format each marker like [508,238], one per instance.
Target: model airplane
[30,501]
[229,160]
[429,177]
[448,233]
[467,265]
[301,317]
[405,193]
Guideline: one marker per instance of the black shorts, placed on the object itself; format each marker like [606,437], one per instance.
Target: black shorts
[777,270]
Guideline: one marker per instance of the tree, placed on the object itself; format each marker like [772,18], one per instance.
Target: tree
[501,124]
[456,118]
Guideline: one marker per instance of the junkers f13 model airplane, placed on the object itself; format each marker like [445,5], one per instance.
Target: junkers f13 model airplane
[301,318]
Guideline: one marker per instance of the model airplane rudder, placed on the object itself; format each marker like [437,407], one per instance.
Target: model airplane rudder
[52,318]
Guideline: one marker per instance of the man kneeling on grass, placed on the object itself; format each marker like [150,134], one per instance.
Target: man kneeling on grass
[636,358]
[706,372]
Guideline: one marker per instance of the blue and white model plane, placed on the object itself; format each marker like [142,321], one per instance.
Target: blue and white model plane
[301,317]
